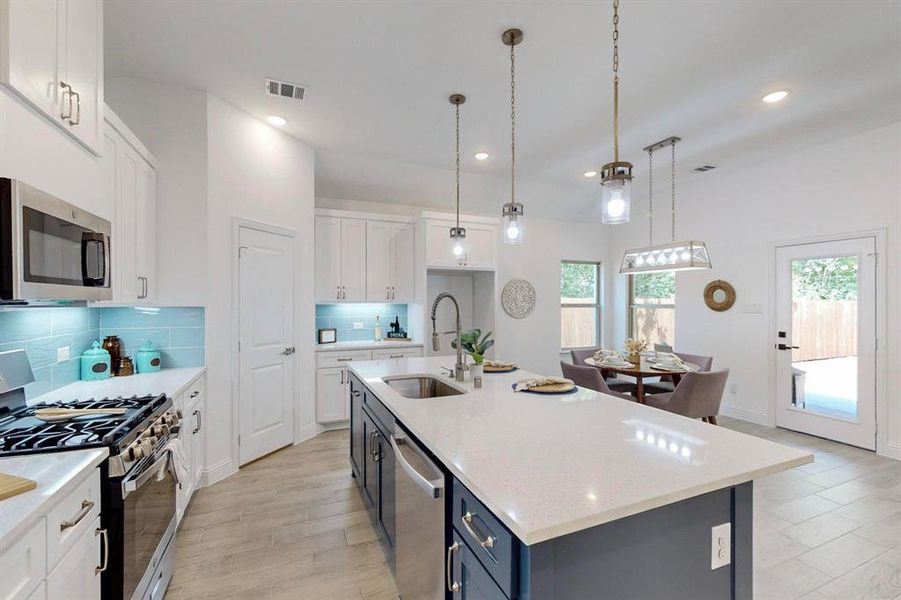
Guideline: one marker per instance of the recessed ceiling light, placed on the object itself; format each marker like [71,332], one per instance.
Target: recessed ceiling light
[482,156]
[591,173]
[775,96]
[276,120]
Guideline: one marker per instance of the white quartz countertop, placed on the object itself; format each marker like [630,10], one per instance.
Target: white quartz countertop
[56,474]
[366,345]
[166,381]
[549,465]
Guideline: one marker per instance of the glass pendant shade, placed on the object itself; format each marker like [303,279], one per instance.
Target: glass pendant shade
[616,201]
[674,256]
[512,230]
[458,241]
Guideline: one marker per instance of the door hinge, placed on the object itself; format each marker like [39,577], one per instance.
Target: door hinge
[239,345]
[239,439]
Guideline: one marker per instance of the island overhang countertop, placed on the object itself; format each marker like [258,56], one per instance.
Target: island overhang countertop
[550,465]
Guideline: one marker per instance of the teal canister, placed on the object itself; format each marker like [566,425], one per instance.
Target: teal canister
[95,363]
[147,358]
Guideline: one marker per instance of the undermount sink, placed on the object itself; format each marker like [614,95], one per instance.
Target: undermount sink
[421,387]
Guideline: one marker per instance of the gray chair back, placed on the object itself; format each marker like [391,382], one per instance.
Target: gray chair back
[705,362]
[586,377]
[699,394]
[663,348]
[579,356]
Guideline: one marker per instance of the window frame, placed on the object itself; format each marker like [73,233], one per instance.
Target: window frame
[632,305]
[598,304]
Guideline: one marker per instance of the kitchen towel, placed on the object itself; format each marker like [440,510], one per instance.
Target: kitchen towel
[178,465]
[533,382]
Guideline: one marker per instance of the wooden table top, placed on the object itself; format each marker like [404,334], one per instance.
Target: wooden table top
[645,368]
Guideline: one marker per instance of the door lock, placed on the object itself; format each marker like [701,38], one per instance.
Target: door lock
[288,351]
[785,347]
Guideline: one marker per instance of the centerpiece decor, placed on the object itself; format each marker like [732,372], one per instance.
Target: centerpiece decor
[475,345]
[635,347]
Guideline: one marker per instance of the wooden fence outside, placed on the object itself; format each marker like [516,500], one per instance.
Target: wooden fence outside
[824,329]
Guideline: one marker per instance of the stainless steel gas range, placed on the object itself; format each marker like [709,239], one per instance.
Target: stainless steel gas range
[138,479]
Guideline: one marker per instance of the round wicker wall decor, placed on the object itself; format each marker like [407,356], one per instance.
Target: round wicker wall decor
[518,298]
[719,295]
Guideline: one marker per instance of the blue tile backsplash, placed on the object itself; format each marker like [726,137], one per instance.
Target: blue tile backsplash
[343,317]
[177,332]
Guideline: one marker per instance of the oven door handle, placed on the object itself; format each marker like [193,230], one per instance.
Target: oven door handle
[89,239]
[134,483]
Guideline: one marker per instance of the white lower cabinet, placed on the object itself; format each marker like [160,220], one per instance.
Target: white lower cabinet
[331,395]
[396,353]
[77,575]
[24,565]
[40,593]
[192,405]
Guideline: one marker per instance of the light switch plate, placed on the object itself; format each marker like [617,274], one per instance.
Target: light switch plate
[752,309]
[358,324]
[62,354]
[720,546]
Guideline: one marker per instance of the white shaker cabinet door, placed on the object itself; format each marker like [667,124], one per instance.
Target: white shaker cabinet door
[77,573]
[378,261]
[84,70]
[328,259]
[145,232]
[353,259]
[439,249]
[481,242]
[331,395]
[402,262]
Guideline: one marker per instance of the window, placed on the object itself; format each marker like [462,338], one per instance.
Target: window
[652,307]
[580,304]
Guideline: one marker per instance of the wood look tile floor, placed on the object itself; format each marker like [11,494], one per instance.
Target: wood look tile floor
[293,526]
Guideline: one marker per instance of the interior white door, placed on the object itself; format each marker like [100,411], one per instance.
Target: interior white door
[378,261]
[266,324]
[353,259]
[826,340]
[328,259]
[402,261]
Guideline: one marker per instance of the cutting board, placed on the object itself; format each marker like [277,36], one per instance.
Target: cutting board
[11,485]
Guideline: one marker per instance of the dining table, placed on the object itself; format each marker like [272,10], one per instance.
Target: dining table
[641,370]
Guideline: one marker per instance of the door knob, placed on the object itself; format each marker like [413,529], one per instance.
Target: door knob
[288,351]
[785,347]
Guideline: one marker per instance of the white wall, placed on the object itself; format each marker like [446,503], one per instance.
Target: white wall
[172,122]
[39,153]
[217,163]
[849,185]
[255,172]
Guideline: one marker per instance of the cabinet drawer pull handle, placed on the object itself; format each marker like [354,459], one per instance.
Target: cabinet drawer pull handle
[195,393]
[395,356]
[343,359]
[488,542]
[342,376]
[67,89]
[452,586]
[86,506]
[105,563]
[77,108]
[196,413]
[355,393]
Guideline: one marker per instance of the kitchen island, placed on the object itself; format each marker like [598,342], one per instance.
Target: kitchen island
[567,496]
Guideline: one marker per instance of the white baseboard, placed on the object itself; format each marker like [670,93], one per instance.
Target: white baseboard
[745,414]
[336,426]
[892,450]
[218,472]
[308,432]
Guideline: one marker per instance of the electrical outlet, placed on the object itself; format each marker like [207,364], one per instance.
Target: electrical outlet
[62,354]
[358,324]
[720,546]
[733,388]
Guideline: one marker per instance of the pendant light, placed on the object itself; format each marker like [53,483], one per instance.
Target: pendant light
[513,210]
[674,256]
[458,234]
[616,176]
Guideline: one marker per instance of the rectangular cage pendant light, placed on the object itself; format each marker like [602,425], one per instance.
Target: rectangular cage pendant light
[672,256]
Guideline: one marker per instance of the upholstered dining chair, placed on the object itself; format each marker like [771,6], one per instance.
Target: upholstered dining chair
[591,378]
[697,396]
[663,348]
[666,382]
[614,383]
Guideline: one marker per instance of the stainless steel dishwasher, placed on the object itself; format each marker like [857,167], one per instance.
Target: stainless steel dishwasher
[419,505]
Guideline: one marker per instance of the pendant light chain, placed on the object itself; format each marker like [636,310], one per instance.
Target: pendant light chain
[512,125]
[457,108]
[615,80]
[673,171]
[651,196]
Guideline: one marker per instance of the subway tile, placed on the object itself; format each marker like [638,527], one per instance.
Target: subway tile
[23,324]
[12,346]
[94,317]
[174,358]
[186,337]
[132,339]
[323,322]
[66,372]
[42,382]
[84,340]
[115,317]
[361,335]
[69,320]
[343,335]
[331,310]
[42,351]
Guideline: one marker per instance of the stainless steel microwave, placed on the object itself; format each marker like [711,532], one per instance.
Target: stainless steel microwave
[50,250]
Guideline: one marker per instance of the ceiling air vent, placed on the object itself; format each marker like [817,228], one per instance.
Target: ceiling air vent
[283,89]
[704,168]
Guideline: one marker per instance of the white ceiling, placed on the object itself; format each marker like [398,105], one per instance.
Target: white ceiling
[380,72]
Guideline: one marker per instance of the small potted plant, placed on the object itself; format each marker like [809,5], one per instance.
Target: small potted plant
[634,347]
[475,345]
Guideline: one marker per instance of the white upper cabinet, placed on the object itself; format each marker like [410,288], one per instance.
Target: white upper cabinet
[340,259]
[51,54]
[479,247]
[389,261]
